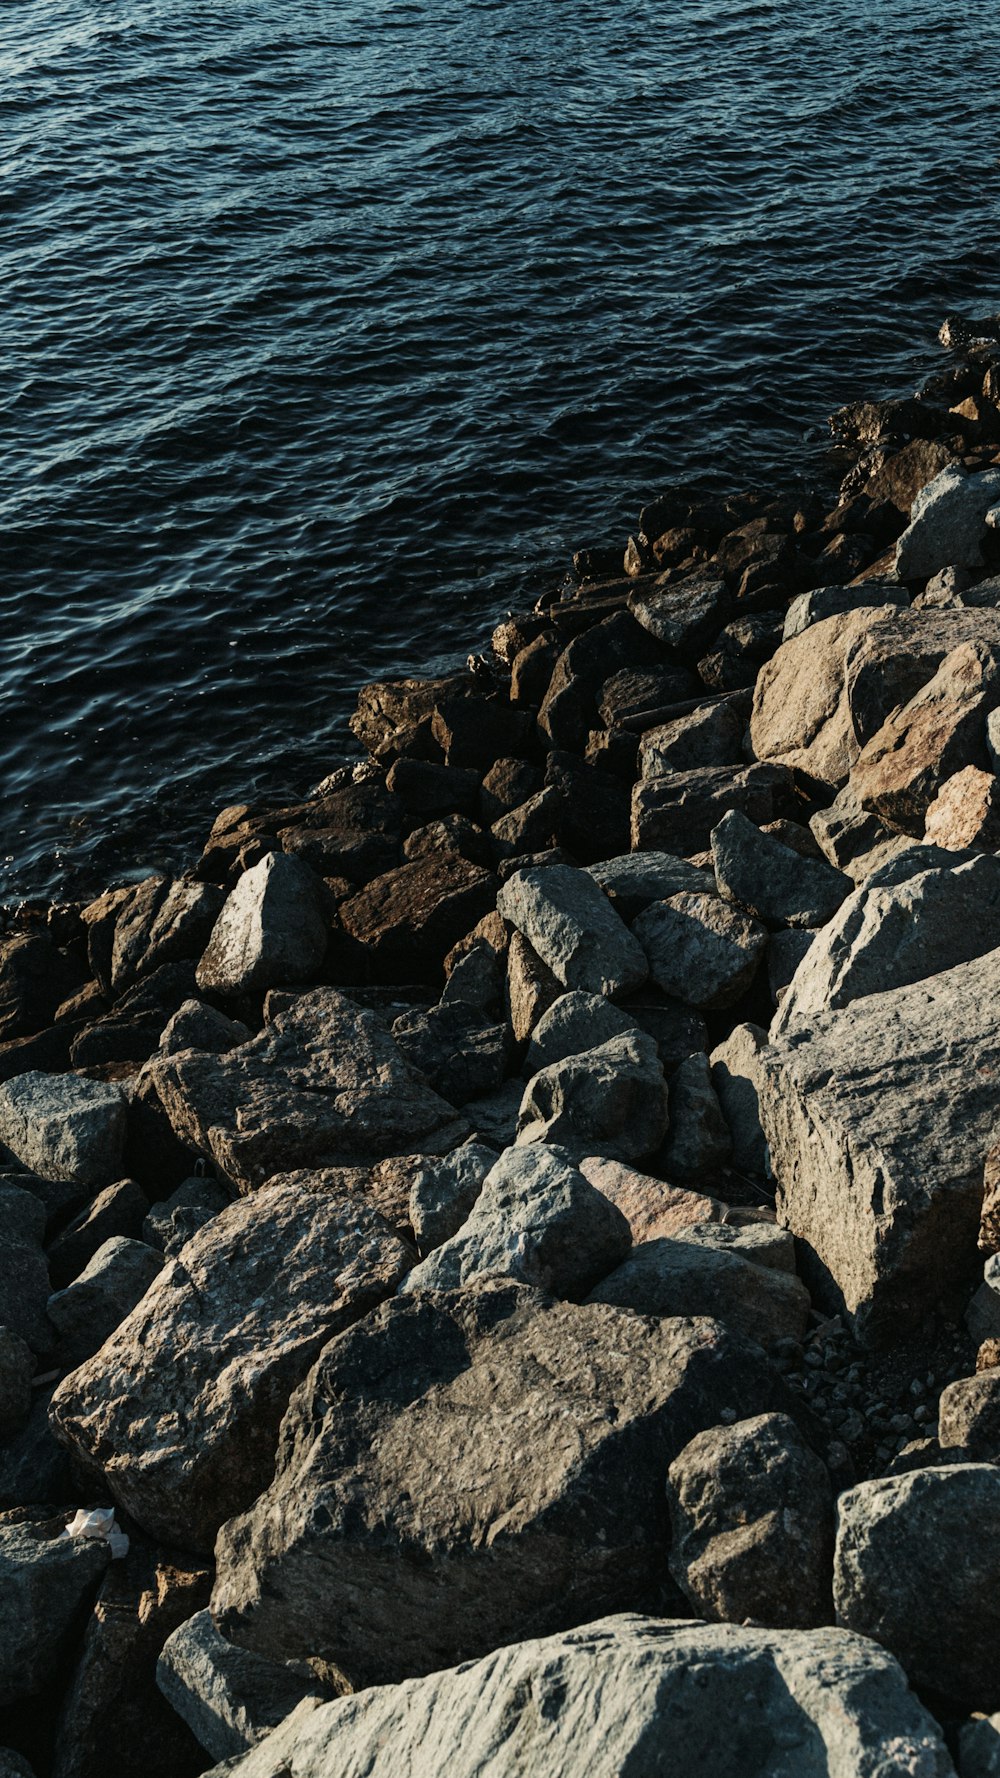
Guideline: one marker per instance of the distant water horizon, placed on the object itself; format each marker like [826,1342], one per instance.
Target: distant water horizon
[331,331]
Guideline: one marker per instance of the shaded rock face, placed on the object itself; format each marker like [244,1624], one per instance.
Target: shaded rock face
[230,1698]
[443,1190]
[571,926]
[650,1206]
[24,1272]
[769,879]
[46,1584]
[612,1098]
[574,1023]
[63,1127]
[680,1277]
[161,922]
[677,813]
[947,523]
[459,1468]
[90,1308]
[629,1695]
[701,950]
[270,930]
[409,918]
[179,1410]
[698,1143]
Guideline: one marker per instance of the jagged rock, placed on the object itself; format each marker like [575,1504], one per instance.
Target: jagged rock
[46,1583]
[785,952]
[532,667]
[680,1277]
[711,735]
[229,1698]
[35,978]
[63,1127]
[451,835]
[461,1053]
[17,1367]
[683,614]
[569,707]
[965,813]
[628,694]
[412,916]
[161,922]
[429,790]
[493,1120]
[531,987]
[24,1273]
[443,1191]
[698,1140]
[629,1695]
[739,650]
[195,1026]
[352,832]
[638,878]
[915,1569]
[969,1417]
[678,812]
[852,839]
[651,1207]
[171,1222]
[270,931]
[117,1210]
[770,880]
[612,1098]
[736,1079]
[678,1031]
[699,949]
[394,716]
[476,979]
[89,1309]
[752,1513]
[832,601]
[592,816]
[322,1085]
[131,1029]
[947,523]
[574,1023]
[571,925]
[180,1408]
[513,1475]
[536,1219]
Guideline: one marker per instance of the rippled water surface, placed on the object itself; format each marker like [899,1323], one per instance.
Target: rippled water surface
[329,330]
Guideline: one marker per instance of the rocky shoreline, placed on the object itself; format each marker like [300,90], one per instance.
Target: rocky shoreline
[500,1262]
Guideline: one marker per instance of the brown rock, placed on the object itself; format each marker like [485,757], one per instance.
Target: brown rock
[939,731]
[410,918]
[965,814]
[652,1207]
[677,813]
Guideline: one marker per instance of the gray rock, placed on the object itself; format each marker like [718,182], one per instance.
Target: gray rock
[853,839]
[536,1220]
[89,1309]
[172,1221]
[700,950]
[444,1190]
[460,1051]
[785,952]
[979,1748]
[493,1119]
[511,1475]
[947,523]
[571,925]
[117,1210]
[531,988]
[752,1513]
[24,1272]
[764,1242]
[678,811]
[915,1569]
[180,1408]
[196,1026]
[831,601]
[46,1584]
[711,735]
[476,979]
[17,1367]
[270,931]
[982,1317]
[611,1100]
[161,922]
[229,1698]
[13,1766]
[574,1023]
[637,878]
[651,1207]
[736,1075]
[62,1126]
[681,1277]
[32,1465]
[629,1695]
[698,1141]
[769,879]
[681,613]
[969,1417]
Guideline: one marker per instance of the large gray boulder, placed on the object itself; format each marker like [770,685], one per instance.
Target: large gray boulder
[179,1410]
[700,950]
[537,1220]
[570,924]
[628,1695]
[757,872]
[270,931]
[460,1467]
[915,1569]
[63,1127]
[611,1100]
[443,1190]
[46,1584]
[229,1698]
[680,1277]
[108,1288]
[574,1023]
[637,878]
[947,525]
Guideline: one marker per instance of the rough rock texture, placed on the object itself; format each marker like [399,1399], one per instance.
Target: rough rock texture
[752,1513]
[531,987]
[947,523]
[117,1210]
[915,1569]
[537,1220]
[161,922]
[63,1127]
[677,813]
[108,1288]
[180,1408]
[411,917]
[46,1584]
[443,1190]
[698,1142]
[979,1748]
[459,1468]
[682,613]
[966,812]
[650,1206]
[700,950]
[852,839]
[712,735]
[612,1099]
[969,1417]
[574,1023]
[769,879]
[230,1698]
[270,931]
[571,925]
[831,601]
[460,1051]
[680,1277]
[24,1274]
[629,1695]
[736,1074]
[17,1367]
[171,1222]
[196,1026]
[637,878]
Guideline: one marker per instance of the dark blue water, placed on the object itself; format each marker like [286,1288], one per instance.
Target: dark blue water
[329,330]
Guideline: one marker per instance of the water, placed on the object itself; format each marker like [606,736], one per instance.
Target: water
[329,331]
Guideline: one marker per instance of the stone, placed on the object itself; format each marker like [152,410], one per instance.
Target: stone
[63,1127]
[979,1748]
[785,952]
[24,1273]
[651,1207]
[638,878]
[831,601]
[752,1514]
[32,1464]
[537,1220]
[17,1367]
[197,1026]
[678,1031]
[852,839]
[108,1288]
[532,667]
[681,613]
[459,1051]
[677,813]
[410,918]
[700,950]
[512,1475]
[352,831]
[171,1222]
[117,1210]
[593,813]
[493,1119]
[270,931]
[570,924]
[450,835]
[180,1409]
[757,872]
[46,1584]
[161,922]
[982,1316]
[969,1417]
[13,1766]
[674,1276]
[35,978]
[612,1098]
[131,1030]
[879,1117]
[443,1191]
[736,1075]
[531,987]
[476,979]
[710,735]
[915,1569]
[989,1222]
[947,523]
[230,1699]
[627,695]
[429,790]
[574,1023]
[739,650]
[698,1142]
[394,716]
[569,707]
[322,1085]
[965,813]
[763,1243]
[629,1695]
[900,476]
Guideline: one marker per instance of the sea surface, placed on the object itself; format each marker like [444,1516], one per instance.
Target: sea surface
[329,331]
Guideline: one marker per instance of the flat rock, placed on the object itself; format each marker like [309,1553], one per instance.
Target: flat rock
[650,1206]
[410,918]
[229,1698]
[574,1023]
[677,813]
[63,1127]
[270,931]
[711,735]
[638,878]
[699,949]
[612,1098]
[680,1277]
[682,613]
[947,523]
[46,1583]
[767,878]
[197,1026]
[572,927]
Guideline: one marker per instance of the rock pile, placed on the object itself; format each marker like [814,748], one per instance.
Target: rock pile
[515,1234]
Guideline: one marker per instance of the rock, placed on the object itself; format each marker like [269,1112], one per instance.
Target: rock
[394,716]
[989,1224]
[229,1698]
[410,918]
[429,790]
[651,1207]
[444,1190]
[678,812]
[831,601]
[785,952]
[107,1290]
[739,650]
[507,784]
[698,1140]
[460,1052]
[699,949]
[852,839]
[680,1277]
[569,707]
[161,922]
[979,1748]
[630,1695]
[117,1210]
[531,987]
[180,1408]
[763,1243]
[532,667]
[711,735]
[32,1464]
[513,1475]
[752,1515]
[35,978]
[352,832]
[736,1078]
[476,979]
[626,696]
[46,1584]
[450,835]
[196,1026]
[982,1316]
[683,614]
[24,1273]
[947,523]
[13,1766]
[493,1119]
[900,476]
[321,1085]
[915,1569]
[638,878]
[969,1417]
[537,1220]
[612,1099]
[571,925]
[17,1367]
[676,1030]
[63,1127]
[271,930]
[879,1117]
[592,817]
[574,1023]
[172,1222]
[769,879]
[131,1030]
[965,813]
